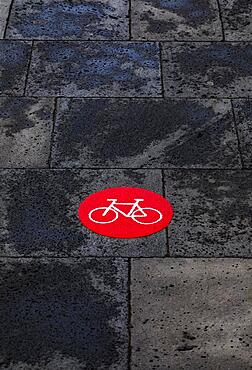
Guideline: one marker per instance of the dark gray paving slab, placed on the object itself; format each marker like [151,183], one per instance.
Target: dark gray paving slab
[14,58]
[39,213]
[212,213]
[25,131]
[243,117]
[176,20]
[61,19]
[237,19]
[207,69]
[5,6]
[95,69]
[145,133]
[66,314]
[191,314]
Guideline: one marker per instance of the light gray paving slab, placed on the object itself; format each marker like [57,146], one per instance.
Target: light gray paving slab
[191,314]
[4,7]
[61,19]
[237,19]
[207,70]
[212,213]
[243,117]
[39,213]
[25,131]
[145,133]
[175,20]
[91,69]
[63,314]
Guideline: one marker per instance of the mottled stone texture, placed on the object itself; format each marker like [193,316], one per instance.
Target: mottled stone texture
[243,116]
[63,19]
[212,213]
[5,7]
[65,314]
[191,314]
[144,133]
[25,131]
[207,69]
[95,69]
[191,20]
[237,19]
[38,213]
[14,58]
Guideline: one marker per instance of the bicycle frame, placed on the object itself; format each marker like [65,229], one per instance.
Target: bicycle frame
[133,209]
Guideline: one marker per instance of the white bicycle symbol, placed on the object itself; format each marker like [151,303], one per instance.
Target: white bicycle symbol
[99,215]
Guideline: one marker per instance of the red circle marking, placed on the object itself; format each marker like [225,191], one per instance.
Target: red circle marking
[147,214]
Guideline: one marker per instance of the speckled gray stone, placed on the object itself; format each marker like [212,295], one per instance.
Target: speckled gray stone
[207,70]
[25,131]
[14,58]
[95,69]
[191,314]
[5,6]
[63,19]
[212,213]
[38,213]
[237,19]
[190,20]
[145,133]
[65,314]
[243,116]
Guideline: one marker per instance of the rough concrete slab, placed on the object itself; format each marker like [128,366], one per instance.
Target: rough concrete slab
[207,69]
[95,69]
[63,19]
[237,19]
[191,314]
[145,133]
[25,131]
[176,20]
[14,58]
[39,213]
[4,6]
[212,213]
[66,314]
[243,117]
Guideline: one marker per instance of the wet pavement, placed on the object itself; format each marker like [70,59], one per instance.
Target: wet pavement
[144,93]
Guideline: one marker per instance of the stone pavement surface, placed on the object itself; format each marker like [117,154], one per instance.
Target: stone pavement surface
[144,93]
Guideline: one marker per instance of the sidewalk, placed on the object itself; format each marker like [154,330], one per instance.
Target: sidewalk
[144,93]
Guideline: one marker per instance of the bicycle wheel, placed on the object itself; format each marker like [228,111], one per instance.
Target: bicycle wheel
[152,216]
[96,215]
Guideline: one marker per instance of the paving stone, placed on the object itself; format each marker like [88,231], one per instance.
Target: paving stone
[191,314]
[14,58]
[64,19]
[66,314]
[25,131]
[243,116]
[212,213]
[38,213]
[124,133]
[5,6]
[207,69]
[237,19]
[95,69]
[176,20]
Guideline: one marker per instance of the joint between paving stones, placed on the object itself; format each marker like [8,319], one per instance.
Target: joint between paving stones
[52,133]
[28,69]
[8,19]
[221,20]
[237,135]
[161,70]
